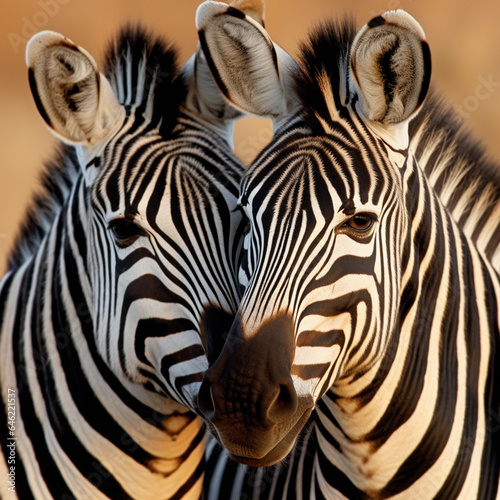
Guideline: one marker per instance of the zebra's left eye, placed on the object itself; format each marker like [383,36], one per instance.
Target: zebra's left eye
[125,231]
[361,222]
[359,225]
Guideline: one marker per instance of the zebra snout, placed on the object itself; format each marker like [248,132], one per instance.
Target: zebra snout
[222,399]
[248,393]
[251,375]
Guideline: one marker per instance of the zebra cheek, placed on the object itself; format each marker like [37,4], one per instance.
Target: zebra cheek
[316,378]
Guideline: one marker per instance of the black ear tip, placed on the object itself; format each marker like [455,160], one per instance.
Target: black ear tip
[235,13]
[376,21]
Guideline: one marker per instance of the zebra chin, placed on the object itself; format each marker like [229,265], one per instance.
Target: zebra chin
[262,447]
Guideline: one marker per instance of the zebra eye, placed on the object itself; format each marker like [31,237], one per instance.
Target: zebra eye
[361,222]
[359,225]
[125,231]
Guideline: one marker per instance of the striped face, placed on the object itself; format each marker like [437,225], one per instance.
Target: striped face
[326,230]
[162,248]
[323,251]
[327,219]
[154,213]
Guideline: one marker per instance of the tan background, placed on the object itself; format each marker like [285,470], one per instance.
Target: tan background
[464,38]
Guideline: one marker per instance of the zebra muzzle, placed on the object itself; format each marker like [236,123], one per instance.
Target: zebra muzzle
[248,393]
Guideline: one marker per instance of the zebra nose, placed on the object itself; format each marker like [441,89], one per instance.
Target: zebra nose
[279,402]
[250,382]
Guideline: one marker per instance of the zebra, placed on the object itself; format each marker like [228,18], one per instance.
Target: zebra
[125,263]
[364,358]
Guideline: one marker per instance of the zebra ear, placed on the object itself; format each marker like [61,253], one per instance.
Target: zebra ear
[204,96]
[251,71]
[391,66]
[74,99]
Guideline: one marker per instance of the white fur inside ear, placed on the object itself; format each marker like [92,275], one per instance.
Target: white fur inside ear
[69,91]
[390,65]
[259,83]
[245,64]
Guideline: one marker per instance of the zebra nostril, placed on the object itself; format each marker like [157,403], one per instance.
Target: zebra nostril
[284,405]
[287,397]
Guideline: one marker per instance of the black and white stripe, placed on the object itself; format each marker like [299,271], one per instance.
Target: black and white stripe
[463,175]
[124,266]
[365,354]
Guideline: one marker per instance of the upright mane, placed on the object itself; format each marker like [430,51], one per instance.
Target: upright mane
[324,54]
[464,177]
[143,73]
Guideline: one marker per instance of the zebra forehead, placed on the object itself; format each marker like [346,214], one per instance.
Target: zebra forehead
[327,168]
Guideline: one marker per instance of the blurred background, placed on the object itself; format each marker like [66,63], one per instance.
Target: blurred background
[464,38]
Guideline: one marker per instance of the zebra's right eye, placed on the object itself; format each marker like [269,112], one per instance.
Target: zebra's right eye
[125,231]
[361,223]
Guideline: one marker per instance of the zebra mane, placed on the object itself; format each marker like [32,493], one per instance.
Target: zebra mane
[143,73]
[462,174]
[57,179]
[325,53]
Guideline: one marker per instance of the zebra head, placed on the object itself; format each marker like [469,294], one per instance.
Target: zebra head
[152,226]
[327,223]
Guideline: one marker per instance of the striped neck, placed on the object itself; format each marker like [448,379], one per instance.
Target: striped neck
[80,430]
[416,401]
